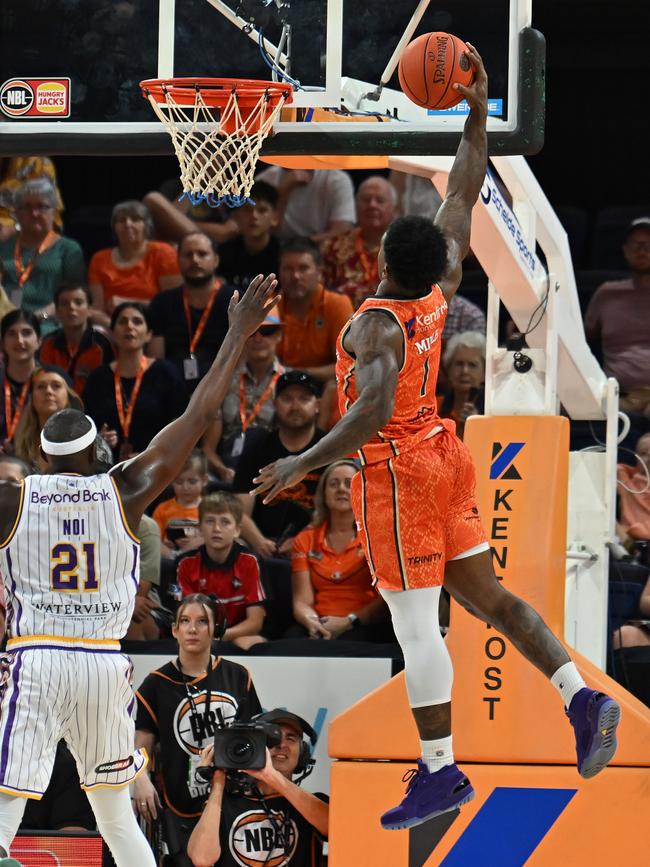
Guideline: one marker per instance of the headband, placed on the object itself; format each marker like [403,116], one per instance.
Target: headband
[71,447]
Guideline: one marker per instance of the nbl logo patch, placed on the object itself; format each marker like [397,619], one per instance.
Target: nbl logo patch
[110,767]
[35,97]
[257,840]
[191,728]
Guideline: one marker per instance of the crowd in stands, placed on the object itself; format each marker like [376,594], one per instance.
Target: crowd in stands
[129,337]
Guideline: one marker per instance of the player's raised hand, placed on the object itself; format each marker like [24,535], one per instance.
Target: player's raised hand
[476,92]
[275,477]
[248,312]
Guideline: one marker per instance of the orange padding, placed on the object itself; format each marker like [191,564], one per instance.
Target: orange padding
[504,710]
[311,161]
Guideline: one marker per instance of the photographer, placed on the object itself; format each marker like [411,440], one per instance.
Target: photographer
[178,708]
[266,819]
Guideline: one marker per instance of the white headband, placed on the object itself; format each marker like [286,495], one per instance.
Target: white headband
[72,446]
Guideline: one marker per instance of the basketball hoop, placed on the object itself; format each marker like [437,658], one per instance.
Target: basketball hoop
[217,127]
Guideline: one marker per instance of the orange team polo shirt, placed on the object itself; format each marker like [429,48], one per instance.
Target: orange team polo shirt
[342,582]
[311,341]
[140,282]
[170,510]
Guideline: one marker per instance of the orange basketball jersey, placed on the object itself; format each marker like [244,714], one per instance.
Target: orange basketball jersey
[415,414]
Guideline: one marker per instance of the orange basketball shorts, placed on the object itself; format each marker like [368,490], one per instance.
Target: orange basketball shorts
[416,511]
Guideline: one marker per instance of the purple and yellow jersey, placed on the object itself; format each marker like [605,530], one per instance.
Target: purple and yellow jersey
[70,564]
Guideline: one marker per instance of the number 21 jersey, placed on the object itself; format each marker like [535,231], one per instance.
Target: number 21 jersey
[70,565]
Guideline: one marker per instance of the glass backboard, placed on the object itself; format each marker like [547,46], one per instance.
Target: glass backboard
[70,71]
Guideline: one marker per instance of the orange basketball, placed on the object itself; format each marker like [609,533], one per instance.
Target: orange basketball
[430,66]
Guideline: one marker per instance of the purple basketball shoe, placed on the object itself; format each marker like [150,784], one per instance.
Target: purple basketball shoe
[594,717]
[428,795]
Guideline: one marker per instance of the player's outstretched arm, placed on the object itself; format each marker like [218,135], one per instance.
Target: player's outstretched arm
[466,176]
[141,479]
[377,342]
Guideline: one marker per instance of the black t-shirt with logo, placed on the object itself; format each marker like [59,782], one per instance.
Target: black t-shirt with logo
[290,511]
[175,712]
[250,836]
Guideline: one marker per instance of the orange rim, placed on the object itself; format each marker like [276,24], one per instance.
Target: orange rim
[215,92]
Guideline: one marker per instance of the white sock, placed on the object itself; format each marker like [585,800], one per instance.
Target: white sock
[436,754]
[568,682]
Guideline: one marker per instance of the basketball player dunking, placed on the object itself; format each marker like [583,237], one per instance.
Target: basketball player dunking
[70,565]
[415,491]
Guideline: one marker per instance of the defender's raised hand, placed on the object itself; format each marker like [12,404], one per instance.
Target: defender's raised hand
[248,312]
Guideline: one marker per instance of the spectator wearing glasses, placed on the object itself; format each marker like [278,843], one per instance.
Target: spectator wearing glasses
[37,259]
[249,404]
[617,320]
[14,172]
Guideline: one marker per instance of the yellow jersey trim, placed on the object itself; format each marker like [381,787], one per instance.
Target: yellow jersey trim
[63,641]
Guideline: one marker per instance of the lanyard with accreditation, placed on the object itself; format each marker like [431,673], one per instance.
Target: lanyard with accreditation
[247,420]
[23,271]
[12,418]
[190,364]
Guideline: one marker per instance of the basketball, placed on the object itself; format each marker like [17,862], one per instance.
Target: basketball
[430,66]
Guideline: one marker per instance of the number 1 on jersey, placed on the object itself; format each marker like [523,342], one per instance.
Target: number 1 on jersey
[64,575]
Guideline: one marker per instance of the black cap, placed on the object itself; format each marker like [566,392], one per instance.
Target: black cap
[298,377]
[639,223]
[280,715]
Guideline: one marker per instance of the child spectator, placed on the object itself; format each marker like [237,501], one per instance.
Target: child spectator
[77,346]
[255,250]
[178,517]
[225,571]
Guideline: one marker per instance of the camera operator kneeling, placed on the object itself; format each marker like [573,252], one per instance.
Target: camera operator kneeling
[261,816]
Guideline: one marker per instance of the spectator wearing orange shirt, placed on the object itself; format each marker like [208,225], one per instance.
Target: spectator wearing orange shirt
[333,596]
[311,315]
[134,270]
[350,259]
[77,347]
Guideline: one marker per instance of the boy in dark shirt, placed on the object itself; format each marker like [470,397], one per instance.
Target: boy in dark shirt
[77,347]
[225,571]
[256,250]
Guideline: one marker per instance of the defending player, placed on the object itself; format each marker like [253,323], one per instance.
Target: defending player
[415,491]
[71,566]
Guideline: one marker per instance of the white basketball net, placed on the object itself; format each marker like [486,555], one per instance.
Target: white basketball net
[216,166]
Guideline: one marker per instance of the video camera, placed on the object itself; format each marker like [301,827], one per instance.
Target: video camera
[242,746]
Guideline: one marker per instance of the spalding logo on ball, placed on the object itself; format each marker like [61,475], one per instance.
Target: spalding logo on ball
[430,66]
